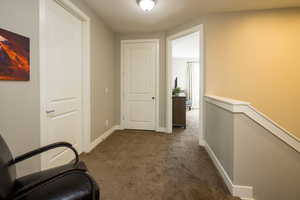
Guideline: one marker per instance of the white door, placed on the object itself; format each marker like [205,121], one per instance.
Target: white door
[139,67]
[63,82]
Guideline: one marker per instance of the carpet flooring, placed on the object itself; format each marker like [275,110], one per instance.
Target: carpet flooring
[145,165]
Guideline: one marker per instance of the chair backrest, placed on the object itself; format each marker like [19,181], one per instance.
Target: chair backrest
[7,173]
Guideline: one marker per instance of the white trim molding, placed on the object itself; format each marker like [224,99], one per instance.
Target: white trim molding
[198,28]
[244,192]
[236,106]
[103,137]
[161,130]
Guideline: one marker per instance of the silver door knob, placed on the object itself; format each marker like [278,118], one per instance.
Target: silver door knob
[50,111]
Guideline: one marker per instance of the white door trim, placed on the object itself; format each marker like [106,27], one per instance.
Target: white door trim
[122,113]
[86,79]
[198,28]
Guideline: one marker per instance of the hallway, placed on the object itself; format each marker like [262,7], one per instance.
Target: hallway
[142,165]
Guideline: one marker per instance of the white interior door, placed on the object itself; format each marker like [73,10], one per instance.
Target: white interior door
[139,66]
[63,82]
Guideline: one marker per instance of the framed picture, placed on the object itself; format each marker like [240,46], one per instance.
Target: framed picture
[14,56]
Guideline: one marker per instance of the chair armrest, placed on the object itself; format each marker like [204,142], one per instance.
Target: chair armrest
[32,189]
[44,149]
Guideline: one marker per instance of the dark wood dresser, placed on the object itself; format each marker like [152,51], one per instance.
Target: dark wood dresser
[179,110]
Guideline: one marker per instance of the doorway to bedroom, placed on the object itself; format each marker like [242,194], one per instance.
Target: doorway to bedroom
[185,79]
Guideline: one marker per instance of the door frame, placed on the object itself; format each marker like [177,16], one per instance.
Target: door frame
[122,74]
[86,77]
[198,28]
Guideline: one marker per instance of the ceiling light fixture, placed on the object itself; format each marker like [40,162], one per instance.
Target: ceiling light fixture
[146,5]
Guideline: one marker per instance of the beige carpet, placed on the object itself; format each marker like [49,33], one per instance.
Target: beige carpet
[145,165]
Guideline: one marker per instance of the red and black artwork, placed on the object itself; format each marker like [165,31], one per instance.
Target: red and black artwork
[14,56]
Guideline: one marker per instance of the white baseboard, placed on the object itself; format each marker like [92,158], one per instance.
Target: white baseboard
[117,127]
[105,135]
[243,192]
[161,129]
[202,142]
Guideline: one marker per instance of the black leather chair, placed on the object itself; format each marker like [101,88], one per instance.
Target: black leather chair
[68,182]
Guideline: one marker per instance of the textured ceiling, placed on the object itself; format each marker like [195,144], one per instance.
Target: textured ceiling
[126,16]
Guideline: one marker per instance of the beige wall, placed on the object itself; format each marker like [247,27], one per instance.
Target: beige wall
[253,156]
[102,73]
[254,56]
[272,167]
[162,79]
[19,101]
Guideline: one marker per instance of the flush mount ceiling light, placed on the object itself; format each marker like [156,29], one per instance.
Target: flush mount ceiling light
[146,5]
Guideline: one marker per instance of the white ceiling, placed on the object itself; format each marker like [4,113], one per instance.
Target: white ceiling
[186,47]
[126,16]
